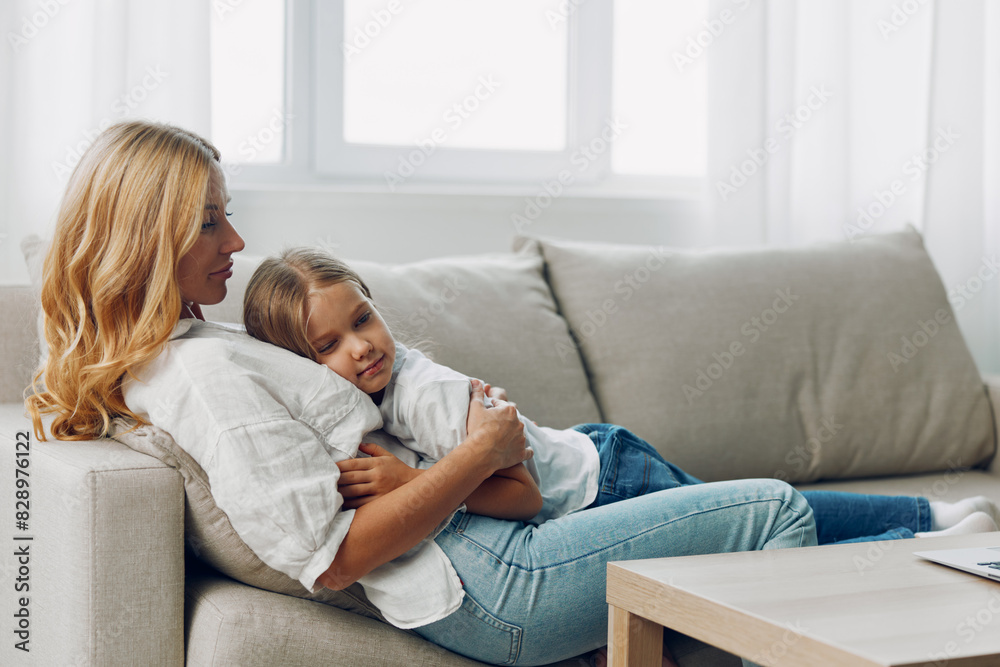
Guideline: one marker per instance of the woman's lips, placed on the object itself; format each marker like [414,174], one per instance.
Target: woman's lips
[225,273]
[374,368]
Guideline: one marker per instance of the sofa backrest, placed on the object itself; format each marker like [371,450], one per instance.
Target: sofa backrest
[829,361]
[18,341]
[834,360]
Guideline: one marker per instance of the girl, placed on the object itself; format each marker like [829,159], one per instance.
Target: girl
[319,308]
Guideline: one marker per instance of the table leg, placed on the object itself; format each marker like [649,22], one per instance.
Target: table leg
[633,641]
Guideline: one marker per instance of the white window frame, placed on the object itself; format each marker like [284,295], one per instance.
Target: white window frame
[315,154]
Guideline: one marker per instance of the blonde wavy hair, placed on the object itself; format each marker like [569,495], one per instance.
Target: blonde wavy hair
[276,301]
[110,297]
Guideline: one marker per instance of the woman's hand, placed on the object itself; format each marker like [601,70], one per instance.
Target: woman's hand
[497,430]
[362,480]
[496,393]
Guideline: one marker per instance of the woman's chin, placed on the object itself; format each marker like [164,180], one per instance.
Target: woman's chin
[209,297]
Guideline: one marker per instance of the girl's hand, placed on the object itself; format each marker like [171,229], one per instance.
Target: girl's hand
[497,430]
[362,480]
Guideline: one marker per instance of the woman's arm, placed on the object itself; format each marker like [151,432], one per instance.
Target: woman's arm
[394,523]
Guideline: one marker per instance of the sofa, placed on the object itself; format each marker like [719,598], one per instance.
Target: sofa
[835,366]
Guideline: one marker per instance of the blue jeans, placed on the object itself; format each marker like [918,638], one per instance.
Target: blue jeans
[536,594]
[631,467]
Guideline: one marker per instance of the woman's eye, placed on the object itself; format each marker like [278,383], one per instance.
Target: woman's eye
[205,226]
[228,214]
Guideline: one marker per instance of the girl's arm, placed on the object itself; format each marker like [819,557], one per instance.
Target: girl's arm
[394,523]
[509,493]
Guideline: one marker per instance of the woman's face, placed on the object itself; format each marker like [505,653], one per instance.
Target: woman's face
[204,270]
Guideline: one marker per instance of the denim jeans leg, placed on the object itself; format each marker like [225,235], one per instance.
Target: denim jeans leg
[536,594]
[630,466]
[856,517]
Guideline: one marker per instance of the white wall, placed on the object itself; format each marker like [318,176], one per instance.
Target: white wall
[401,228]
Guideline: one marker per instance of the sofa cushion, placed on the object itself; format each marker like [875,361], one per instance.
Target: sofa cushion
[231,624]
[488,316]
[827,361]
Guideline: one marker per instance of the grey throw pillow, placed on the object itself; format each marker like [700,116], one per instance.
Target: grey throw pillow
[828,361]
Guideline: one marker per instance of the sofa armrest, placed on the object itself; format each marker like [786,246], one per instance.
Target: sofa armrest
[106,564]
[993,391]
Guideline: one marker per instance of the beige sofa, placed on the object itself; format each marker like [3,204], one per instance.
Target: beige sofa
[836,366]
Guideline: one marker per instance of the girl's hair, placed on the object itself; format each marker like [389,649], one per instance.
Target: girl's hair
[132,209]
[275,305]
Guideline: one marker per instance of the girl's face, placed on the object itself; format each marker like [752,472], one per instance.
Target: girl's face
[350,337]
[202,273]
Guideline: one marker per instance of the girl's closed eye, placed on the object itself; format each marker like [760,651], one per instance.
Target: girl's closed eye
[364,318]
[326,347]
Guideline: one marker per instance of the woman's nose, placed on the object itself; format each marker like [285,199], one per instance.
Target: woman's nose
[234,242]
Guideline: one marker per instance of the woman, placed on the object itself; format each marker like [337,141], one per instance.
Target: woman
[142,242]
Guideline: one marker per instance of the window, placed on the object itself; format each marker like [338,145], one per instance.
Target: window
[663,99]
[248,81]
[447,69]
[386,94]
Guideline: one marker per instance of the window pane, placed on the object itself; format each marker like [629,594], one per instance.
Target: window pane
[457,73]
[664,103]
[248,80]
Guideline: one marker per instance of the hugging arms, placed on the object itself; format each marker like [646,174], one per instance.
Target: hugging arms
[378,534]
[509,493]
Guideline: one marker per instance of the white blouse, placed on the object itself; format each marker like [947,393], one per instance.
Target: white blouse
[268,427]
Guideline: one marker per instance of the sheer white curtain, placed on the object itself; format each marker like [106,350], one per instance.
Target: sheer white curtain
[833,119]
[70,69]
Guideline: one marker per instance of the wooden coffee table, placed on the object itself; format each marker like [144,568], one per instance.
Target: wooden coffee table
[871,603]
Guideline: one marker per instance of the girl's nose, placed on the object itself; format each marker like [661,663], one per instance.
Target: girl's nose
[362,347]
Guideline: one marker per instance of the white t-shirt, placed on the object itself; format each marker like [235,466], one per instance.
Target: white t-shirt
[426,406]
[268,427]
